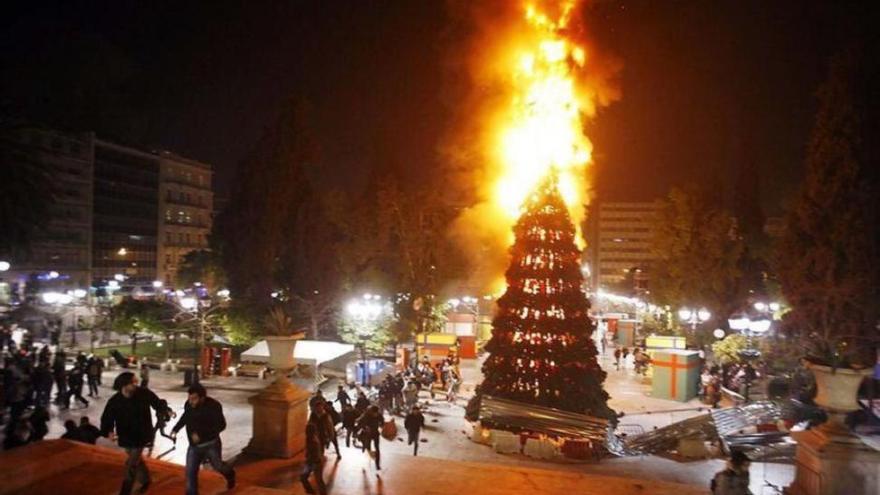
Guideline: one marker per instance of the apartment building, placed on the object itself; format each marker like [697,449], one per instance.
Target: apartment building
[60,252]
[119,212]
[619,236]
[186,205]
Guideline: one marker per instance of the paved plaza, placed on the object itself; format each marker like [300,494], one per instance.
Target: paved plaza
[445,436]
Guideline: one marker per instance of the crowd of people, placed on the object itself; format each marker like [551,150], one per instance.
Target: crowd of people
[363,421]
[31,373]
[28,376]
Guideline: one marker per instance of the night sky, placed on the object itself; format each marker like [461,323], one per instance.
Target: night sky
[706,85]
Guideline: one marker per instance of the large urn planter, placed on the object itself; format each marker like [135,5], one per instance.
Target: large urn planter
[836,392]
[280,411]
[830,460]
[281,352]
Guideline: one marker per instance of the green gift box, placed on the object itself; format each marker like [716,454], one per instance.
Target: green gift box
[676,373]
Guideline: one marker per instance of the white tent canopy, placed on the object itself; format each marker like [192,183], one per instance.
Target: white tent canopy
[309,352]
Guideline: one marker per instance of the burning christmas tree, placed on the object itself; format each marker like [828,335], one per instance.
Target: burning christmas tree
[541,351]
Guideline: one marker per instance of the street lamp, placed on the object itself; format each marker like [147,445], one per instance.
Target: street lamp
[5,266]
[750,327]
[365,312]
[694,317]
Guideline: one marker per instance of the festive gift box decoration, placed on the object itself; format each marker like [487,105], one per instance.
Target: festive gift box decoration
[505,442]
[665,342]
[578,449]
[676,374]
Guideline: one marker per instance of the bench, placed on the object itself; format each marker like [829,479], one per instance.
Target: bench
[250,369]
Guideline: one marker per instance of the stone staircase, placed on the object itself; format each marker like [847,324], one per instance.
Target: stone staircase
[62,466]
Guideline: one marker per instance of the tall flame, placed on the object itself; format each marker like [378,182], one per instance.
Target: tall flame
[543,128]
[535,83]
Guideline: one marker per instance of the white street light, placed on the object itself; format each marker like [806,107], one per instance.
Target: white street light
[113,284]
[760,306]
[53,274]
[774,306]
[759,326]
[703,314]
[189,303]
[119,277]
[4,266]
[684,314]
[738,322]
[157,284]
[50,297]
[718,333]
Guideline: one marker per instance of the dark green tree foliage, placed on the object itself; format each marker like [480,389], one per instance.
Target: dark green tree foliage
[202,266]
[828,257]
[269,189]
[699,256]
[541,351]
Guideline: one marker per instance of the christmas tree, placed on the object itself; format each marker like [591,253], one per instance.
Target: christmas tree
[541,351]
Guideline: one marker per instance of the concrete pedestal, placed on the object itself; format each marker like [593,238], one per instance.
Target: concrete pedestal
[833,462]
[279,421]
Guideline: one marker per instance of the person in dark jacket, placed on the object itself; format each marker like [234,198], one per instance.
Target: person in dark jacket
[204,420]
[328,427]
[362,403]
[342,397]
[128,420]
[314,462]
[71,431]
[88,432]
[734,480]
[39,423]
[18,434]
[60,375]
[75,385]
[93,374]
[42,382]
[414,422]
[369,427]
[349,419]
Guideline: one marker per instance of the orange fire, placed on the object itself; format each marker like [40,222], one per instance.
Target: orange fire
[536,84]
[542,128]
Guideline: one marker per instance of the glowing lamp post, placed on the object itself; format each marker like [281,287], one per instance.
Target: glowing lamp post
[694,317]
[365,312]
[750,327]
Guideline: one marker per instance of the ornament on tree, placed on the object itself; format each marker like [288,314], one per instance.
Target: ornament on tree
[541,350]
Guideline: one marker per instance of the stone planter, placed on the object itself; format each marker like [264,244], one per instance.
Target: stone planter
[281,352]
[836,392]
[829,459]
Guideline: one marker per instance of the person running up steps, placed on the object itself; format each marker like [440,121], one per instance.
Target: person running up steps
[204,420]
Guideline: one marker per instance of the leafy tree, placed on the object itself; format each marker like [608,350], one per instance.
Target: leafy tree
[699,257]
[269,189]
[376,334]
[418,254]
[202,266]
[239,327]
[728,349]
[134,317]
[828,256]
[541,351]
